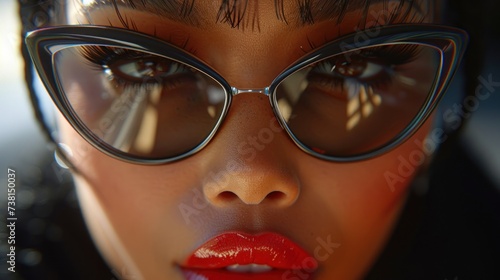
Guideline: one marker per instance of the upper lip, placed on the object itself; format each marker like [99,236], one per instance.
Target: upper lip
[232,248]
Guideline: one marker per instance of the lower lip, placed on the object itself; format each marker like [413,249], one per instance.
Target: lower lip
[218,274]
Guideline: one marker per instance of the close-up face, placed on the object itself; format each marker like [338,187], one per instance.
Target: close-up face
[268,174]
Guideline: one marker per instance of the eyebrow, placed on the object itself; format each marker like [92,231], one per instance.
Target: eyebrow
[316,11]
[330,10]
[233,11]
[182,11]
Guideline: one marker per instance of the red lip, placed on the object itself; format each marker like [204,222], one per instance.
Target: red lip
[232,248]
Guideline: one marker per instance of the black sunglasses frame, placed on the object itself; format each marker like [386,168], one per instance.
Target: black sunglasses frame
[44,43]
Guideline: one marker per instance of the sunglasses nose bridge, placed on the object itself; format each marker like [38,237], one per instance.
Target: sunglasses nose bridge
[236,91]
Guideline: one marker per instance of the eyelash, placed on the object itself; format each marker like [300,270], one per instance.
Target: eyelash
[386,56]
[102,58]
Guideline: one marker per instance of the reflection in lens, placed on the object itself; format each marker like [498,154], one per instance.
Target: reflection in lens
[356,102]
[361,104]
[144,105]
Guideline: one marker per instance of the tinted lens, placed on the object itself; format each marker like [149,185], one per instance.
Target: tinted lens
[141,104]
[353,103]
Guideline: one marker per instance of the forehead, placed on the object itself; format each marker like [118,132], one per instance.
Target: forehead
[238,13]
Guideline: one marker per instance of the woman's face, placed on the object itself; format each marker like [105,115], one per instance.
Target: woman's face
[222,206]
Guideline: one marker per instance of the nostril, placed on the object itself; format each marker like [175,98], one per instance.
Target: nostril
[276,195]
[227,196]
[249,198]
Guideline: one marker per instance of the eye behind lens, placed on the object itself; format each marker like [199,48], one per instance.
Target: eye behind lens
[357,102]
[139,104]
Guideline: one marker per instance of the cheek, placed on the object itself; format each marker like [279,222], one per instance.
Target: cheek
[379,180]
[132,209]
[375,187]
[362,200]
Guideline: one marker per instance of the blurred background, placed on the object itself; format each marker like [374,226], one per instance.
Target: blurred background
[22,143]
[18,130]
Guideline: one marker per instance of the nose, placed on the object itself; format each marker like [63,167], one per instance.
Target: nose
[248,161]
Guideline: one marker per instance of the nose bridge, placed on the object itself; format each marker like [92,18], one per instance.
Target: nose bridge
[249,159]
